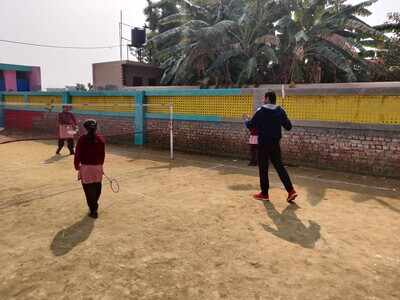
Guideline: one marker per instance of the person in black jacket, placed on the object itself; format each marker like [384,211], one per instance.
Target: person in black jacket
[268,121]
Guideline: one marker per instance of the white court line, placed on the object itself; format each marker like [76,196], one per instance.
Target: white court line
[326,180]
[221,165]
[330,181]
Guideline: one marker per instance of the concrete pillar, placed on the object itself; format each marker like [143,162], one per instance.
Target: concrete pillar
[35,83]
[66,98]
[139,118]
[1,111]
[10,78]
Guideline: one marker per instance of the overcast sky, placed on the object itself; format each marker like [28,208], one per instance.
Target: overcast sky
[82,23]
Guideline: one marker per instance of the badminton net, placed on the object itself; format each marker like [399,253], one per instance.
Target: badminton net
[116,121]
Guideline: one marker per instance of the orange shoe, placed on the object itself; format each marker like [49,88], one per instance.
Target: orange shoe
[292,196]
[261,196]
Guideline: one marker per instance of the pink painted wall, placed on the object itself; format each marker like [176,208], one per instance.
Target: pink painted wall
[10,78]
[35,83]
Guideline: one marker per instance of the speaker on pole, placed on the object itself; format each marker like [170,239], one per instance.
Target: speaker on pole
[138,37]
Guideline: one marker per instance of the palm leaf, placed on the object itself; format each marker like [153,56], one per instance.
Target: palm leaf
[222,59]
[174,18]
[176,33]
[336,58]
[362,27]
[388,27]
[249,70]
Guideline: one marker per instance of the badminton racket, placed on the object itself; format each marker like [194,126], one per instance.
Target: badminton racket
[114,185]
[72,132]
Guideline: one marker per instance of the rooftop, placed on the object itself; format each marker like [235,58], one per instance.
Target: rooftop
[10,67]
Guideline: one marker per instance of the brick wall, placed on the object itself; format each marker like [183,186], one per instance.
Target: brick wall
[216,138]
[45,125]
[356,150]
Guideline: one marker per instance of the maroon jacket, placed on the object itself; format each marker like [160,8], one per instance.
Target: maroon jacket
[88,153]
[66,118]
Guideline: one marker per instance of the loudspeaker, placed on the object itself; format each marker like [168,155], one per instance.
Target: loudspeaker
[138,37]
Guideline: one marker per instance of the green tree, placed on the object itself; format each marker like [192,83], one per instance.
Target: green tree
[390,52]
[315,35]
[80,87]
[237,41]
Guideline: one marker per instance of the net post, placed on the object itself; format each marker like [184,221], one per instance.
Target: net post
[66,98]
[1,110]
[171,130]
[139,118]
[26,101]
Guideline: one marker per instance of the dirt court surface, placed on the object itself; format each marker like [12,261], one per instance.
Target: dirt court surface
[191,230]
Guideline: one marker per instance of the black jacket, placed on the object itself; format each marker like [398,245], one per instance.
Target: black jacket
[268,121]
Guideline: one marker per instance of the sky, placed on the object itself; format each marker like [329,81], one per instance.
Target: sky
[83,23]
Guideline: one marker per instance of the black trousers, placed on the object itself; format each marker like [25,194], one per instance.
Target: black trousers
[70,143]
[265,154]
[253,154]
[92,193]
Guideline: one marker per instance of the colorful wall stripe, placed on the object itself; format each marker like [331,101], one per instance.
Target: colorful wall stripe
[216,105]
[357,109]
[222,107]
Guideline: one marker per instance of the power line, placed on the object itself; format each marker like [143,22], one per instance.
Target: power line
[59,47]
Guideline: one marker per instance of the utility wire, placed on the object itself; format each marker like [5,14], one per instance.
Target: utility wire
[59,47]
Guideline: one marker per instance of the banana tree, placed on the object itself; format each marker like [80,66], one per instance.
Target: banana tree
[232,45]
[317,33]
[239,41]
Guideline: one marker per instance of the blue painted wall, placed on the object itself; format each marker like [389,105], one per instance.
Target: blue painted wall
[2,85]
[1,111]
[22,85]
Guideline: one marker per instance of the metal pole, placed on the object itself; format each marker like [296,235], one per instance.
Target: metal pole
[171,130]
[120,36]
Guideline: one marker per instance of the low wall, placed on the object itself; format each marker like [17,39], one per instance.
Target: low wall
[215,138]
[360,149]
[117,129]
[365,150]
[349,127]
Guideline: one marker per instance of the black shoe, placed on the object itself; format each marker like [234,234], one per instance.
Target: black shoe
[93,215]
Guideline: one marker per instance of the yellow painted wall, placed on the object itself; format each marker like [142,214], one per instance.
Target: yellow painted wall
[105,104]
[45,101]
[13,99]
[348,108]
[229,107]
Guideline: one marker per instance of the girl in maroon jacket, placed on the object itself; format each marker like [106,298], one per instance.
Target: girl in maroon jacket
[89,160]
[66,124]
[253,142]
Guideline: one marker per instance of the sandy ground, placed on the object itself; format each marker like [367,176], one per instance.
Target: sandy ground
[190,230]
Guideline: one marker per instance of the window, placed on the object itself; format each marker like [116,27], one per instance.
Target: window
[152,81]
[137,81]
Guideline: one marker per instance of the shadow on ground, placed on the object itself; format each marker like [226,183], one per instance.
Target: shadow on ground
[315,182]
[290,228]
[67,239]
[55,158]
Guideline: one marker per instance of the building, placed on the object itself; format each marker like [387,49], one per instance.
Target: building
[120,74]
[19,78]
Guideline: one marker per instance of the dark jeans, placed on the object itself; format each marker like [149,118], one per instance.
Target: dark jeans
[253,154]
[70,143]
[265,154]
[92,193]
